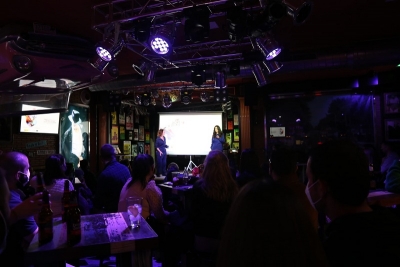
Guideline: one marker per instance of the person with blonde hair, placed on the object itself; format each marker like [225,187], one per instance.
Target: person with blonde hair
[213,194]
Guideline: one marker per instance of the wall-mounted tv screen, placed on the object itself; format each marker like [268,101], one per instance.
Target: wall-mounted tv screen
[189,133]
[41,123]
[277,131]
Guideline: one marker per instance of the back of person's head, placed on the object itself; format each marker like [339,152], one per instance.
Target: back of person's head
[55,167]
[249,162]
[266,226]
[14,162]
[84,164]
[343,165]
[216,177]
[141,166]
[107,152]
[283,161]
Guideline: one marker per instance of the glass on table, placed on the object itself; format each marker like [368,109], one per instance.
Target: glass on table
[134,209]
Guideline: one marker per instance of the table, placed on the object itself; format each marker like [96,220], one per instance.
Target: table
[102,234]
[183,191]
[383,198]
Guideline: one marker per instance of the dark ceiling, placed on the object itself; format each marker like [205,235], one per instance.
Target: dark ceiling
[339,38]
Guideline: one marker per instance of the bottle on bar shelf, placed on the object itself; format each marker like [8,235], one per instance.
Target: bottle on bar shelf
[45,220]
[65,200]
[73,217]
[40,183]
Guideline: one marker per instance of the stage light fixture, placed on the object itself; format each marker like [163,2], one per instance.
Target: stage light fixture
[186,97]
[138,74]
[138,100]
[198,75]
[153,101]
[272,66]
[221,95]
[112,69]
[237,19]
[166,102]
[197,24]
[109,49]
[204,96]
[234,68]
[220,79]
[149,70]
[161,42]
[145,99]
[22,63]
[300,13]
[268,47]
[142,29]
[258,74]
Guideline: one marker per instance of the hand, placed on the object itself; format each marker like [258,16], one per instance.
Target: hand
[28,207]
[166,146]
[217,136]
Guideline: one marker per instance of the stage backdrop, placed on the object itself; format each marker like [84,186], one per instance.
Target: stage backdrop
[189,133]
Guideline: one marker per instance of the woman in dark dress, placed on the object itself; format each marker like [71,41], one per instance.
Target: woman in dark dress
[161,153]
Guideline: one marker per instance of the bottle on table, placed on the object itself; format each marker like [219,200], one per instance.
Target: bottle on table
[65,200]
[185,177]
[40,183]
[45,220]
[74,231]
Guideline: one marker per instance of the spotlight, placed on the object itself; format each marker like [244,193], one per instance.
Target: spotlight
[220,79]
[112,69]
[138,100]
[301,13]
[237,18]
[161,42]
[197,24]
[198,75]
[22,63]
[166,102]
[258,74]
[220,95]
[272,66]
[109,49]
[149,71]
[204,96]
[186,97]
[145,99]
[138,74]
[142,29]
[234,68]
[268,46]
[276,9]
[153,101]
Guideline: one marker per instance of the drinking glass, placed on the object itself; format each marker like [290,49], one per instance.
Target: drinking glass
[134,208]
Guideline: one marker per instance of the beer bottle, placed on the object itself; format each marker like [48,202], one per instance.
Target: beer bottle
[65,200]
[45,220]
[40,183]
[74,231]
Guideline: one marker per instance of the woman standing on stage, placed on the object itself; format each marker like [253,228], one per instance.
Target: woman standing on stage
[218,139]
[161,153]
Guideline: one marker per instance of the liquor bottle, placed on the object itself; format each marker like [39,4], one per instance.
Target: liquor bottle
[65,200]
[74,231]
[45,220]
[40,183]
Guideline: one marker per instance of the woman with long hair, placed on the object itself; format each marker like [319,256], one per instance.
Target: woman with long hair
[213,194]
[161,153]
[218,139]
[267,226]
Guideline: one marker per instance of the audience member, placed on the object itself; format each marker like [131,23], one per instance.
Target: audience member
[389,156]
[110,181]
[22,226]
[90,177]
[267,226]
[212,196]
[392,181]
[249,167]
[54,178]
[283,170]
[4,210]
[85,195]
[127,163]
[338,186]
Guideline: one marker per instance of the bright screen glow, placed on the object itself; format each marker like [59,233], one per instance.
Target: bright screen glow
[189,133]
[277,131]
[41,123]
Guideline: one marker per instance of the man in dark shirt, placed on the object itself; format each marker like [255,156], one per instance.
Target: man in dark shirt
[110,181]
[338,186]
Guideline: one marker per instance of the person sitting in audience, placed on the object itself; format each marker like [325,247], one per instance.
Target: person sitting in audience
[338,186]
[390,156]
[110,181]
[268,226]
[54,178]
[90,177]
[212,196]
[249,168]
[22,226]
[283,170]
[392,181]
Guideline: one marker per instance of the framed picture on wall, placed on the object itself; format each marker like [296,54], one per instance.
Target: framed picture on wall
[141,133]
[127,149]
[236,134]
[113,117]
[114,135]
[391,103]
[140,148]
[235,119]
[122,132]
[228,138]
[146,122]
[147,149]
[235,145]
[147,137]
[130,135]
[122,118]
[135,134]
[134,150]
[129,122]
[392,129]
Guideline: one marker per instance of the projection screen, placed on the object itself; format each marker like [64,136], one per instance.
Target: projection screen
[189,133]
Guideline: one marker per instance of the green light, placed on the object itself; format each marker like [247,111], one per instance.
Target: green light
[398,65]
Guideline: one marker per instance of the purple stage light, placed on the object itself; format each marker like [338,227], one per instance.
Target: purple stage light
[103,53]
[160,45]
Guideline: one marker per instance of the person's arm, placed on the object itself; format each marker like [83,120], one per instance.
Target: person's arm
[27,208]
[154,197]
[222,138]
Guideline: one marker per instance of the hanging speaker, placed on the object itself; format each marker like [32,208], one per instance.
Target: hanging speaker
[85,96]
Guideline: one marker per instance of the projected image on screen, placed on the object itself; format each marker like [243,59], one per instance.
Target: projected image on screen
[189,133]
[40,123]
